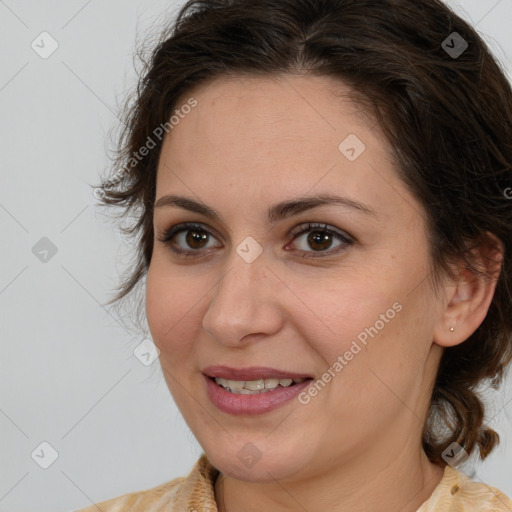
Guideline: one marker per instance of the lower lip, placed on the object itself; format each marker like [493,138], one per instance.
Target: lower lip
[233,403]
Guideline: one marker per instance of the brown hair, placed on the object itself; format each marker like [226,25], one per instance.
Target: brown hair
[448,118]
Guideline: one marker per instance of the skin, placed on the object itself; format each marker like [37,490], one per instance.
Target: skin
[249,143]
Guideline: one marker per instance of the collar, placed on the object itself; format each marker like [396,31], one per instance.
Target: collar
[456,491]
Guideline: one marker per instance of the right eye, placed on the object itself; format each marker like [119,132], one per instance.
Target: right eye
[192,235]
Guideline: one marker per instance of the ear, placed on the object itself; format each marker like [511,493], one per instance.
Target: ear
[467,298]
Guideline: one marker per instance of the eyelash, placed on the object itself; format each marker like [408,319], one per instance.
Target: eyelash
[170,233]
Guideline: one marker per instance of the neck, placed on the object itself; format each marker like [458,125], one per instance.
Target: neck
[404,484]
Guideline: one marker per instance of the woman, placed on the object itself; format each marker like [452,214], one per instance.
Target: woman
[321,198]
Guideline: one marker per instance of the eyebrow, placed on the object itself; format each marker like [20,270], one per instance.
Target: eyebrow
[275,213]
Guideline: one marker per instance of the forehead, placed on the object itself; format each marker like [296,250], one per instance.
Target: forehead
[270,113]
[275,137]
[259,108]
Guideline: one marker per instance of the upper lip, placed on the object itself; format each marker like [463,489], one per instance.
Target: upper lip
[251,373]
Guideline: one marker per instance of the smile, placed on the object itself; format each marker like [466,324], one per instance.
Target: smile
[233,396]
[255,387]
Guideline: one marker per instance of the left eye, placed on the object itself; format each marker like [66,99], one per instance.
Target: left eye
[320,238]
[196,237]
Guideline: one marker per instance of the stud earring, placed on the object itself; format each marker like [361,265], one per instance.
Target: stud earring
[452,328]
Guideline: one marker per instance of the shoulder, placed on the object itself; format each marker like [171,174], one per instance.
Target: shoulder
[149,500]
[195,491]
[457,492]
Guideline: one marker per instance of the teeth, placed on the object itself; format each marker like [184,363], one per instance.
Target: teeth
[233,384]
[253,387]
[271,383]
[247,391]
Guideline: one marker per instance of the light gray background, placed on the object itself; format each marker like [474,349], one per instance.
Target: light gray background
[68,374]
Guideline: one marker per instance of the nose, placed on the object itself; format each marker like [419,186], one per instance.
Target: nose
[245,302]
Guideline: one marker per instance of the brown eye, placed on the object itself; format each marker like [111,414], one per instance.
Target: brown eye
[320,239]
[191,240]
[196,239]
[187,239]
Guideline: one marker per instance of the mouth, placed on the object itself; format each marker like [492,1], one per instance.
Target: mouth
[255,387]
[254,380]
[251,391]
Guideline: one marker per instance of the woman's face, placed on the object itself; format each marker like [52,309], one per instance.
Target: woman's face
[346,302]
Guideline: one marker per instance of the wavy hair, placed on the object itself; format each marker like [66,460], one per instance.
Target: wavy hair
[448,119]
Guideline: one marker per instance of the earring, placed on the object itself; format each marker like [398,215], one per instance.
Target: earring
[452,328]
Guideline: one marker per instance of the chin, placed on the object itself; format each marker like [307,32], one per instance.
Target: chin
[258,461]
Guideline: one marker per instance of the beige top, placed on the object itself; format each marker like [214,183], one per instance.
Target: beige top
[456,492]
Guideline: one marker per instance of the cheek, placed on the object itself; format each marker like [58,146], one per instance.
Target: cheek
[335,313]
[172,305]
[378,328]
